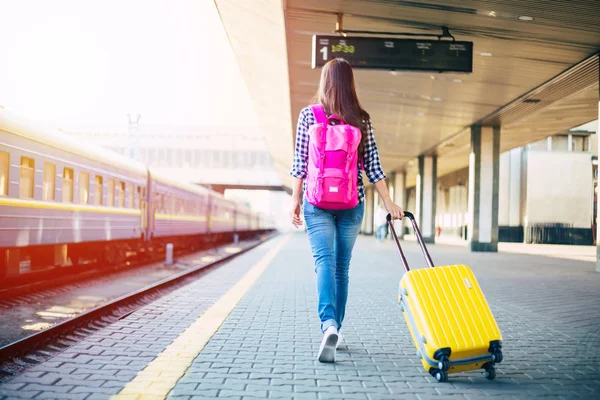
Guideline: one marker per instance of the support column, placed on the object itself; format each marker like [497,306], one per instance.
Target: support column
[484,171]
[369,208]
[400,198]
[598,204]
[514,217]
[509,193]
[426,196]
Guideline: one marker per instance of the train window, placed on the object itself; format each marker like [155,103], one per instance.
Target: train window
[98,191]
[49,181]
[4,168]
[84,187]
[67,185]
[27,178]
[139,198]
[121,194]
[182,206]
[130,195]
[110,197]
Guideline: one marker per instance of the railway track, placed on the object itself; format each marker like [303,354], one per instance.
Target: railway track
[21,354]
[32,284]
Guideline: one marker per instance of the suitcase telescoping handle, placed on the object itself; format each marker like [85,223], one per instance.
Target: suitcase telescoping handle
[419,239]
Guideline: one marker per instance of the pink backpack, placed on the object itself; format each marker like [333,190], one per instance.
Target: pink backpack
[332,163]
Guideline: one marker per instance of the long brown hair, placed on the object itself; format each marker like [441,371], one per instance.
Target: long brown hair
[337,94]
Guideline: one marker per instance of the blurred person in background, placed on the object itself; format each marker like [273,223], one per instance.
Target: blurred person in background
[380,221]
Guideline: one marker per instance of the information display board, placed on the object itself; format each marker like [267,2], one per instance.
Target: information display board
[394,54]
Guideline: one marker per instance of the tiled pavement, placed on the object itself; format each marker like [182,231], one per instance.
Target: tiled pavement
[548,310]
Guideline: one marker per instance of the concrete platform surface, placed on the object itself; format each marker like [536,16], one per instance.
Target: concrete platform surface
[266,347]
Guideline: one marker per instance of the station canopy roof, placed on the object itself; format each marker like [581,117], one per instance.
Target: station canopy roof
[535,71]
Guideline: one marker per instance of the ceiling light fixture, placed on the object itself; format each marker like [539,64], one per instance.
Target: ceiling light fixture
[432,77]
[437,99]
[420,114]
[485,54]
[492,13]
[525,18]
[457,80]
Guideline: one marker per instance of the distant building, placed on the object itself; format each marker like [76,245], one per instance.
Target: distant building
[201,155]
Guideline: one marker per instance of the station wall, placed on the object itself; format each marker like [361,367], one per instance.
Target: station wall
[546,194]
[559,189]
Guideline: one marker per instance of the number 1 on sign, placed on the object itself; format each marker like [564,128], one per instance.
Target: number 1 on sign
[324,51]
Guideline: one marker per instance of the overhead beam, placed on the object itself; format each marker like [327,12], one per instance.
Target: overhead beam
[258,39]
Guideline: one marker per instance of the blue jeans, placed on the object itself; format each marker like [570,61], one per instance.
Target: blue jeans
[332,234]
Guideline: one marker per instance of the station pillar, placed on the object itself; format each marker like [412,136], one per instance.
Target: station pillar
[484,173]
[399,179]
[598,204]
[509,212]
[426,196]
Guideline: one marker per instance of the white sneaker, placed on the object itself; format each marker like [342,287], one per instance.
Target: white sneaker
[339,342]
[328,345]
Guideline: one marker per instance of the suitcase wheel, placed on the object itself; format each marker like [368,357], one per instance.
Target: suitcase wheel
[497,356]
[441,376]
[444,363]
[490,372]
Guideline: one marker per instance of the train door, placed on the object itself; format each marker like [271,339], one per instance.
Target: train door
[209,213]
[150,208]
[143,209]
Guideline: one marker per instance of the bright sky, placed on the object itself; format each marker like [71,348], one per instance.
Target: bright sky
[96,61]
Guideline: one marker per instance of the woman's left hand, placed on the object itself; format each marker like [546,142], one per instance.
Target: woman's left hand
[394,209]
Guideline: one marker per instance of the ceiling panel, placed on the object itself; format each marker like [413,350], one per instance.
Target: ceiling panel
[417,112]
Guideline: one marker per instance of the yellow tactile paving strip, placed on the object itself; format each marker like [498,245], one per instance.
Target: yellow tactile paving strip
[162,374]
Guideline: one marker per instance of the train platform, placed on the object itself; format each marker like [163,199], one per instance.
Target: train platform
[249,329]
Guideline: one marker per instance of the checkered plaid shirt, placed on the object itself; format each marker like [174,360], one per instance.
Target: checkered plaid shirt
[372,164]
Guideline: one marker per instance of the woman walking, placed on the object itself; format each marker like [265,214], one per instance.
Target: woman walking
[333,227]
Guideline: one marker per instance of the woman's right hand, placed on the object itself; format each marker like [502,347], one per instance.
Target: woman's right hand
[295,212]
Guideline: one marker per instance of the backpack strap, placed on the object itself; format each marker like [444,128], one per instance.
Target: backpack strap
[319,112]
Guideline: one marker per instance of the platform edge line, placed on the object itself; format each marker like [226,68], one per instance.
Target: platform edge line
[161,375]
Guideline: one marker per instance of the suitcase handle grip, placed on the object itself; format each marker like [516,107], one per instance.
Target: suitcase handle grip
[419,239]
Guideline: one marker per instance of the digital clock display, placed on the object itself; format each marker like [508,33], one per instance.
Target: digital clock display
[394,54]
[338,48]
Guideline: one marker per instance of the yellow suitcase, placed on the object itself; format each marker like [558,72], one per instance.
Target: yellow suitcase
[448,317]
